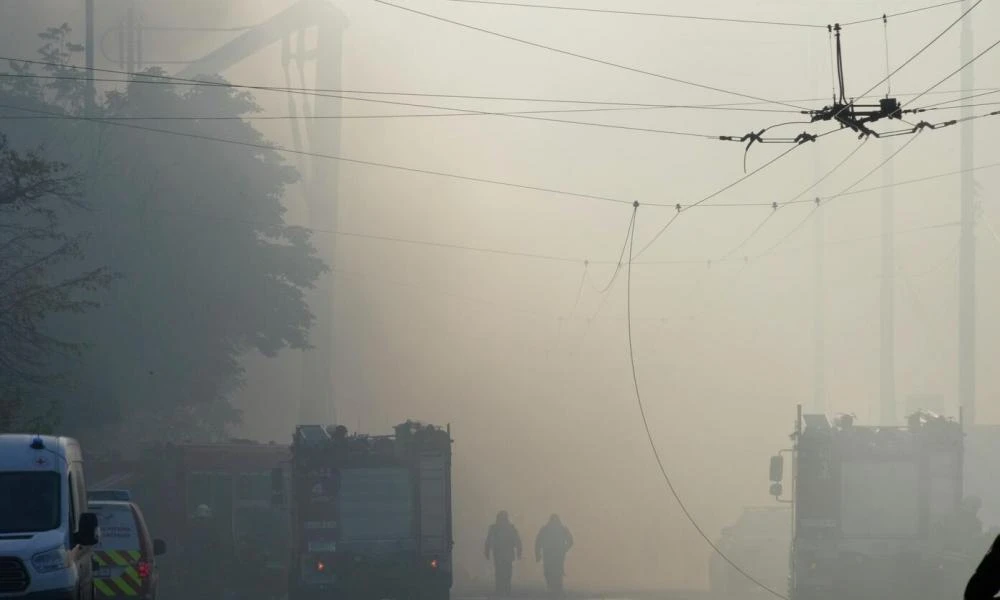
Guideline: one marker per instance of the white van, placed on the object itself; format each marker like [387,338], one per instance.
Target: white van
[46,533]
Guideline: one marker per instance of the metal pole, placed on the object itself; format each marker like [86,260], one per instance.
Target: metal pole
[819,325]
[89,49]
[130,37]
[888,329]
[967,258]
[318,402]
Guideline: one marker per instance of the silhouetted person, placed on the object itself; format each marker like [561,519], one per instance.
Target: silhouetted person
[504,543]
[551,545]
[985,582]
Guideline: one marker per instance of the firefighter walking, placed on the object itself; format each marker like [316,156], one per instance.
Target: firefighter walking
[551,545]
[504,544]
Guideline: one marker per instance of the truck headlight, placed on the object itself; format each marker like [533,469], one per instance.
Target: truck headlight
[51,560]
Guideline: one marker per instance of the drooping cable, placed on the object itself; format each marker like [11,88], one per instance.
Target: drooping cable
[579,290]
[888,74]
[652,444]
[621,257]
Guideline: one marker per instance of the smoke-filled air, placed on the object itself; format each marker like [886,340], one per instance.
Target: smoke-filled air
[699,296]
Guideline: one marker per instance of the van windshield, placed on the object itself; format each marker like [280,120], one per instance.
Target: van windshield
[29,502]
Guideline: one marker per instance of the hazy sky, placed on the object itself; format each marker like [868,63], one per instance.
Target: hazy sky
[534,378]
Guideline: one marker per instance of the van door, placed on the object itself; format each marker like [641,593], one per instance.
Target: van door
[118,554]
[82,555]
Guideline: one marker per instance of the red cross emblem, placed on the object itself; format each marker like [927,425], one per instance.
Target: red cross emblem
[40,461]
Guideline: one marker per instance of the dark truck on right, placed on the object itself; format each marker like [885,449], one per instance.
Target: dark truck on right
[878,511]
[371,515]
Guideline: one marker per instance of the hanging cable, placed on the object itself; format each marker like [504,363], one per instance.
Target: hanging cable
[621,257]
[770,215]
[649,433]
[579,290]
[888,74]
[833,68]
[818,202]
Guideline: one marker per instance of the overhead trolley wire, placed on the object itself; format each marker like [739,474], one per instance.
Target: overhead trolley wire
[583,56]
[903,13]
[520,115]
[276,148]
[682,208]
[368,236]
[642,14]
[145,78]
[921,51]
[621,257]
[956,71]
[701,18]
[819,202]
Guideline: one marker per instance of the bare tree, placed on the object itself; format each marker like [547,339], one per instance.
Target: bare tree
[37,279]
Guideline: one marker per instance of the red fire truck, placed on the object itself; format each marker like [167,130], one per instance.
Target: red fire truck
[233,480]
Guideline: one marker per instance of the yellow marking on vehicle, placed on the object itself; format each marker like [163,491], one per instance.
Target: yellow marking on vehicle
[124,586]
[103,588]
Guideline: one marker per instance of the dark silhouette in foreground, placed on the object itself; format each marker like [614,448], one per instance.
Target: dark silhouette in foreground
[985,582]
[551,545]
[504,543]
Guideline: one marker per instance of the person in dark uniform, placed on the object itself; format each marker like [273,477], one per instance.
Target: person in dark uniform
[985,582]
[551,545]
[504,544]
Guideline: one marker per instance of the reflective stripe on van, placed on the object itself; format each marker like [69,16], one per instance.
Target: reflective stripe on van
[122,578]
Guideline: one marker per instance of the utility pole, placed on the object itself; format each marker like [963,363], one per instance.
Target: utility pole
[967,257]
[319,394]
[91,94]
[887,381]
[130,35]
[819,312]
[819,353]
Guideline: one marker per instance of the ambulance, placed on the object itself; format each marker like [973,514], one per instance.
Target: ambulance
[47,533]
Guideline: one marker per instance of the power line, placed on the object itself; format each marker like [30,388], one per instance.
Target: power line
[369,236]
[822,202]
[146,78]
[956,71]
[520,115]
[643,14]
[329,93]
[919,179]
[621,257]
[797,198]
[649,433]
[903,13]
[579,290]
[973,105]
[275,148]
[798,250]
[923,49]
[746,240]
[583,56]
[962,99]
[681,208]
